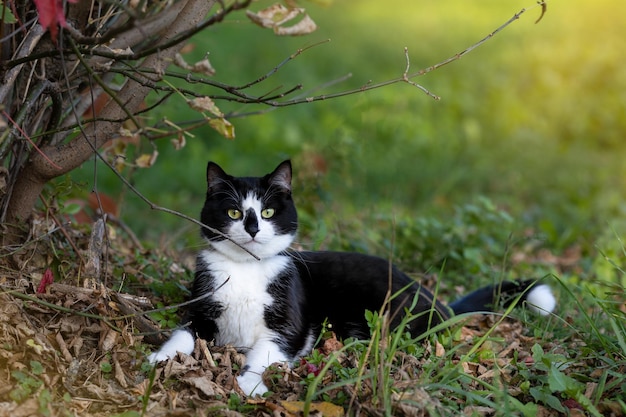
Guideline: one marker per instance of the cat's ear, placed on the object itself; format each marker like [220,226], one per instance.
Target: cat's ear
[215,176]
[281,177]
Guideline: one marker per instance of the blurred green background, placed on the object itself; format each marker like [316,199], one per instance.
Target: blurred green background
[533,120]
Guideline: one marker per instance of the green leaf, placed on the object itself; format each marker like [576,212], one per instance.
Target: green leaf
[5,13]
[224,127]
[71,208]
[544,396]
[106,367]
[587,404]
[538,357]
[36,367]
[19,376]
[559,382]
[525,386]
[528,409]
[369,316]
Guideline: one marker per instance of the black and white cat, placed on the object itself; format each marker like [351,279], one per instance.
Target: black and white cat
[272,306]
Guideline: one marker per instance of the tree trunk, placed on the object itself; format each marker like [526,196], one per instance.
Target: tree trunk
[61,159]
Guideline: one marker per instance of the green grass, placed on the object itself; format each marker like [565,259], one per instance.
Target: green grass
[518,165]
[574,359]
[531,119]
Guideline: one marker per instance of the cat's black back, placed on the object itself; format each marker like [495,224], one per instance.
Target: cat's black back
[251,291]
[342,285]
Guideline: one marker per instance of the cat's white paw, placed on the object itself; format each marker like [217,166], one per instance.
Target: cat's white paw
[252,384]
[157,356]
[180,341]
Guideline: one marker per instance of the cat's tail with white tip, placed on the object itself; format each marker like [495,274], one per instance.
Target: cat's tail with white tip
[537,297]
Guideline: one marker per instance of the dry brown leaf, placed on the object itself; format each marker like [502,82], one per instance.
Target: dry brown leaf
[204,384]
[469,368]
[324,408]
[205,104]
[121,52]
[63,347]
[76,344]
[119,372]
[477,410]
[146,160]
[440,351]
[176,367]
[204,352]
[303,27]
[200,67]
[179,142]
[275,16]
[28,408]
[108,340]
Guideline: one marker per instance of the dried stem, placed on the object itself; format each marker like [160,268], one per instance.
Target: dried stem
[118,43]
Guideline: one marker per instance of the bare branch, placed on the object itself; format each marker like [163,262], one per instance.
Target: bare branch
[235,94]
[279,66]
[57,86]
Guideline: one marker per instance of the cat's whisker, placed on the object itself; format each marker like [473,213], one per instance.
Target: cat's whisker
[270,193]
[272,306]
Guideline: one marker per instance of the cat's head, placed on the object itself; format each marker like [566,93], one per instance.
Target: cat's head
[257,213]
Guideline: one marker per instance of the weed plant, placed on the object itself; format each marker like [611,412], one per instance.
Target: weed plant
[532,121]
[554,370]
[573,359]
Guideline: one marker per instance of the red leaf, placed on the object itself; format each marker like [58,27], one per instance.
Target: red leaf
[310,368]
[51,14]
[47,279]
[313,369]
[572,404]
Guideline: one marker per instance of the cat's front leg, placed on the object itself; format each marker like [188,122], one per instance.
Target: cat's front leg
[181,341]
[263,354]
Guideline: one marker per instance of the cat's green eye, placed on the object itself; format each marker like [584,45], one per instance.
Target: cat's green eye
[234,214]
[267,213]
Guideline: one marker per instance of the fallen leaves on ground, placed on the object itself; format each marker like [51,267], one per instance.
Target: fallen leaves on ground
[70,350]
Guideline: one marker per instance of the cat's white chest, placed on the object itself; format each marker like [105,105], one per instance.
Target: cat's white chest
[242,290]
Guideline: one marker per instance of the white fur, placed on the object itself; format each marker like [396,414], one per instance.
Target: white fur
[242,289]
[180,341]
[308,345]
[265,244]
[264,353]
[241,283]
[541,300]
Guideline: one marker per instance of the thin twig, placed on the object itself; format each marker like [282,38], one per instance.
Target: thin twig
[236,95]
[544,8]
[127,183]
[107,320]
[25,136]
[405,77]
[61,228]
[37,300]
[101,83]
[176,306]
[284,62]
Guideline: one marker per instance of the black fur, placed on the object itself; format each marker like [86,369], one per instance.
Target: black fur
[278,302]
[341,286]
